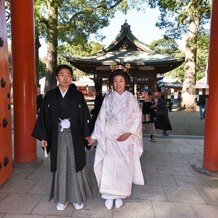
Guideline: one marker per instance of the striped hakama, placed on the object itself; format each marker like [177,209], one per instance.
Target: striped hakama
[67,184]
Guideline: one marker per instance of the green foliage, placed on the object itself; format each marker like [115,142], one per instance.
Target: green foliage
[190,18]
[176,15]
[66,26]
[42,69]
[177,73]
[202,55]
[167,46]
[96,47]
[77,19]
[65,50]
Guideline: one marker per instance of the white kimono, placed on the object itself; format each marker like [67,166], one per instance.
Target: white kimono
[117,164]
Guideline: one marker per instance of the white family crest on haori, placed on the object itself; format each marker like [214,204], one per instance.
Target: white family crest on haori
[65,124]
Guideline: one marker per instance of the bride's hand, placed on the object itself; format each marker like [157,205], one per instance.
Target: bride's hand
[123,137]
[91,141]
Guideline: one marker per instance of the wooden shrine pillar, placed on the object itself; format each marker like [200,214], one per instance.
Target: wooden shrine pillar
[210,160]
[24,85]
[5,102]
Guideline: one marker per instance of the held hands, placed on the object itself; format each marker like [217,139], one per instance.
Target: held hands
[90,140]
[44,143]
[123,137]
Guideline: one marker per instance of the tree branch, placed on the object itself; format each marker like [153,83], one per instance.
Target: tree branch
[74,16]
[44,20]
[111,7]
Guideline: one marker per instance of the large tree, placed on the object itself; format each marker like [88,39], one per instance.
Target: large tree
[179,18]
[169,46]
[188,17]
[202,56]
[70,22]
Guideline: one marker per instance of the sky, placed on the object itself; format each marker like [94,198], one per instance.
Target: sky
[142,25]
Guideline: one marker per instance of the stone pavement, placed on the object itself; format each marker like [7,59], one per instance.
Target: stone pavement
[172,187]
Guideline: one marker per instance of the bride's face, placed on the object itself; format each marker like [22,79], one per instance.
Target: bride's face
[119,84]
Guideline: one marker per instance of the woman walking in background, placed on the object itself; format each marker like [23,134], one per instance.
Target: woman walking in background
[97,106]
[149,113]
[162,122]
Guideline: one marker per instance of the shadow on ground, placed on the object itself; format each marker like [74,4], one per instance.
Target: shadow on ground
[185,123]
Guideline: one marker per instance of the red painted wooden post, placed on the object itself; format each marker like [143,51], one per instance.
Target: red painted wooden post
[24,84]
[210,161]
[5,102]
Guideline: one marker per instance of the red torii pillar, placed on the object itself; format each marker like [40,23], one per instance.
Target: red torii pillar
[210,161]
[24,88]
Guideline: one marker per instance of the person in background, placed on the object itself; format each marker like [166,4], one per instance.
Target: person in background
[149,113]
[179,97]
[169,105]
[118,131]
[62,127]
[202,105]
[108,91]
[39,99]
[95,111]
[162,121]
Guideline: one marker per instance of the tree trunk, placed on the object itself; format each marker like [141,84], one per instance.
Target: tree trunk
[52,42]
[188,96]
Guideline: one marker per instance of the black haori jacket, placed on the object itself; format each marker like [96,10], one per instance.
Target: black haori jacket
[46,127]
